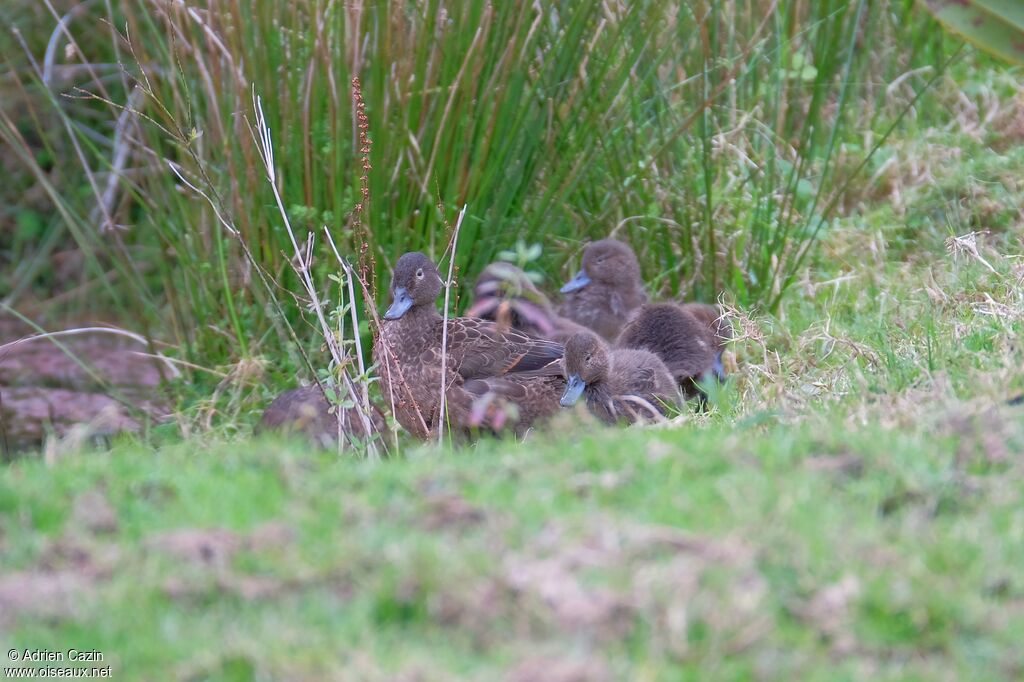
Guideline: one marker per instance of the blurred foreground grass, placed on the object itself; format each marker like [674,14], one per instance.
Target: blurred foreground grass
[851,509]
[831,550]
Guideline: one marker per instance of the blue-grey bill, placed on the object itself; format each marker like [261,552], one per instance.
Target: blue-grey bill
[573,391]
[719,368]
[400,306]
[576,283]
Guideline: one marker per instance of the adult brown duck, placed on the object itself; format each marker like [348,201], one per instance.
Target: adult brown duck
[619,385]
[482,363]
[504,294]
[606,290]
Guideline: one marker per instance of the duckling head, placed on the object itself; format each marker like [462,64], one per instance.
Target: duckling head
[415,282]
[607,261]
[586,362]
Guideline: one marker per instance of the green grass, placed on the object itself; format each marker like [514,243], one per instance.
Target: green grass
[849,508]
[697,551]
[717,141]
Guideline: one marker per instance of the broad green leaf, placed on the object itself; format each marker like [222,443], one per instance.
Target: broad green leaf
[995,26]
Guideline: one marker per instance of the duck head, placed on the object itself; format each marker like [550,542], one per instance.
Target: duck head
[586,363]
[607,261]
[415,282]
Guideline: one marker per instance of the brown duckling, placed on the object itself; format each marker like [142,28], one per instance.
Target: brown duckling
[612,379]
[606,290]
[408,353]
[683,342]
[306,411]
[721,330]
[504,293]
[711,316]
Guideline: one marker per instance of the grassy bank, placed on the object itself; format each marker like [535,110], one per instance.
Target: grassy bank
[850,509]
[850,506]
[824,551]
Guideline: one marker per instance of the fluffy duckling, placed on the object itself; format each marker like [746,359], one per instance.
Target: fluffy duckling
[503,293]
[612,379]
[721,330]
[306,411]
[606,290]
[683,342]
[408,353]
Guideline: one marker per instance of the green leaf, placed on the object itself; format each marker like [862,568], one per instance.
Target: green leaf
[805,190]
[30,226]
[995,26]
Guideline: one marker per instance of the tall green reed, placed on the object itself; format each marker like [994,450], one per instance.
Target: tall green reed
[712,136]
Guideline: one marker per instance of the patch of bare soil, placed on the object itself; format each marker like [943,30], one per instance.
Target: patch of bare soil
[553,669]
[97,381]
[90,360]
[990,434]
[1009,125]
[92,512]
[28,413]
[205,556]
[68,571]
[451,511]
[39,594]
[830,611]
[596,585]
[205,546]
[843,465]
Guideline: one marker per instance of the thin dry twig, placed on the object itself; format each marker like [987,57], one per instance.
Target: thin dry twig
[6,347]
[121,152]
[648,410]
[453,245]
[967,244]
[265,148]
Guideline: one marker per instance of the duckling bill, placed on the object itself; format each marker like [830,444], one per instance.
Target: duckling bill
[576,283]
[400,305]
[606,290]
[574,388]
[619,384]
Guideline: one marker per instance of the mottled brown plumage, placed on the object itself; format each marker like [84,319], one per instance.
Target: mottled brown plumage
[408,352]
[606,290]
[674,334]
[515,400]
[711,316]
[504,294]
[306,411]
[618,384]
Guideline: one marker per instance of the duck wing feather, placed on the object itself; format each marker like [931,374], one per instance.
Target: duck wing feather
[480,349]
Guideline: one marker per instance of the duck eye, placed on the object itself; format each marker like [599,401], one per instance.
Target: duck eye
[419,274]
